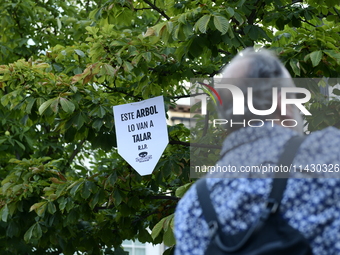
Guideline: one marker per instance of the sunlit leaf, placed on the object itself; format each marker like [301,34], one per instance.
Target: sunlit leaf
[316,56]
[202,23]
[46,104]
[67,105]
[221,24]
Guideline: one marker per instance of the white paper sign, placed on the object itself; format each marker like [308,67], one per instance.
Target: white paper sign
[142,133]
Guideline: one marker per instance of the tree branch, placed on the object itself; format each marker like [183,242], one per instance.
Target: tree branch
[185,96]
[76,151]
[336,10]
[224,51]
[157,9]
[112,90]
[200,145]
[165,197]
[307,22]
[87,6]
[140,9]
[116,90]
[98,208]
[149,214]
[253,14]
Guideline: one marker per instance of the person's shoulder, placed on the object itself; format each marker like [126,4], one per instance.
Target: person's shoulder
[329,135]
[320,147]
[190,199]
[187,201]
[328,130]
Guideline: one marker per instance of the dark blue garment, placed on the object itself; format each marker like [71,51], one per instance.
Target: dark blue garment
[311,205]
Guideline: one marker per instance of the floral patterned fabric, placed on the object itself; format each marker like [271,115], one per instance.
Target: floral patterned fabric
[311,205]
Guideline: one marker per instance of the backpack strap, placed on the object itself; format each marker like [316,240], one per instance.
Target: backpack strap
[281,178]
[274,199]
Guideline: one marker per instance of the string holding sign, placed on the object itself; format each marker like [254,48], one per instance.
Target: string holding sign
[142,133]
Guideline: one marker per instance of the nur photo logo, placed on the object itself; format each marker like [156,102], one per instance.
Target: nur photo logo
[238,96]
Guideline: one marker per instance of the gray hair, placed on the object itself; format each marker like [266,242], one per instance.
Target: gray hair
[263,72]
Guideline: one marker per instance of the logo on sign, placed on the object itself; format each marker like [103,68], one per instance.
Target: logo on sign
[143,154]
[143,157]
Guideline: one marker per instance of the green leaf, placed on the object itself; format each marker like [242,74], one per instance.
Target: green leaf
[101,112]
[97,124]
[316,56]
[77,70]
[180,191]
[118,43]
[202,23]
[157,229]
[221,24]
[37,232]
[62,203]
[73,216]
[59,23]
[109,70]
[124,17]
[230,11]
[36,206]
[69,204]
[28,234]
[169,251]
[318,119]
[252,31]
[78,120]
[294,65]
[46,104]
[240,3]
[30,102]
[5,99]
[51,208]
[169,238]
[88,188]
[5,213]
[112,179]
[170,26]
[13,229]
[2,140]
[306,58]
[75,187]
[33,233]
[55,106]
[120,251]
[144,235]
[41,210]
[80,53]
[307,15]
[162,224]
[167,223]
[333,54]
[147,56]
[117,196]
[127,66]
[239,18]
[95,199]
[187,30]
[336,92]
[196,46]
[20,144]
[67,105]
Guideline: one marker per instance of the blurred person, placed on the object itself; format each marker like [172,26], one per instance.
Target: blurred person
[310,205]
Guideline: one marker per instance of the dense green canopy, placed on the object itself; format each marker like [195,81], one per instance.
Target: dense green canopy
[64,64]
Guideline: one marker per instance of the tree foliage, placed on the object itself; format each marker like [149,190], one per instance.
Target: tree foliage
[64,64]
